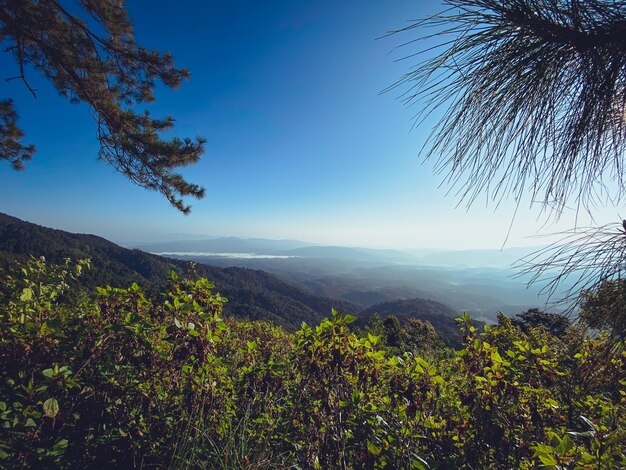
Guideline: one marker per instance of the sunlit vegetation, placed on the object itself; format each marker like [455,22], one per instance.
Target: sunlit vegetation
[115,377]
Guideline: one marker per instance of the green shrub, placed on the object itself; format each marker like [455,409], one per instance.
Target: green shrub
[101,381]
[118,379]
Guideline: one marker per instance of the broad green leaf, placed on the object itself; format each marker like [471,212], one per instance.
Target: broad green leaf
[373,339]
[373,448]
[51,407]
[421,361]
[419,463]
[27,294]
[495,356]
[565,445]
[61,444]
[548,460]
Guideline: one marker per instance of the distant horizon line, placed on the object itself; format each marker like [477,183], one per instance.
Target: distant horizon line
[136,241]
[188,239]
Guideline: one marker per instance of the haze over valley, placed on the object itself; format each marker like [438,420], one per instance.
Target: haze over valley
[480,282]
[313,279]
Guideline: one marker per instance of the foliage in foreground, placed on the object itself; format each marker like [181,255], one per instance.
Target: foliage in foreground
[118,379]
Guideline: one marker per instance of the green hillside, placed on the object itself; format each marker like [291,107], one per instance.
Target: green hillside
[252,293]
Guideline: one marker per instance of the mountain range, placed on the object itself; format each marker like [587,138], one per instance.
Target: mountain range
[251,293]
[222,246]
[367,277]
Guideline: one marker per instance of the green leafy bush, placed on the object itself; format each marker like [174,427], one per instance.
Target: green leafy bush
[104,379]
[116,379]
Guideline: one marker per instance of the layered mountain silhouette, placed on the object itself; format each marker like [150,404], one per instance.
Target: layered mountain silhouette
[251,293]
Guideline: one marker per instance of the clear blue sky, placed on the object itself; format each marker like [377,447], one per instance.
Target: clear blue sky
[300,142]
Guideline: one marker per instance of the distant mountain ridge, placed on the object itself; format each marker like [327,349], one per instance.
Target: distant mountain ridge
[470,258]
[407,308]
[287,248]
[251,293]
[481,282]
[225,245]
[475,258]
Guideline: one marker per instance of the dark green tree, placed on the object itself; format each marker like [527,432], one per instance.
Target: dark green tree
[555,323]
[88,51]
[604,309]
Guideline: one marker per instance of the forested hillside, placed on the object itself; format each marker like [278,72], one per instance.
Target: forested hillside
[251,293]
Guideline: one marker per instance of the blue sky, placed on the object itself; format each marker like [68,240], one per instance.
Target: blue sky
[300,142]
